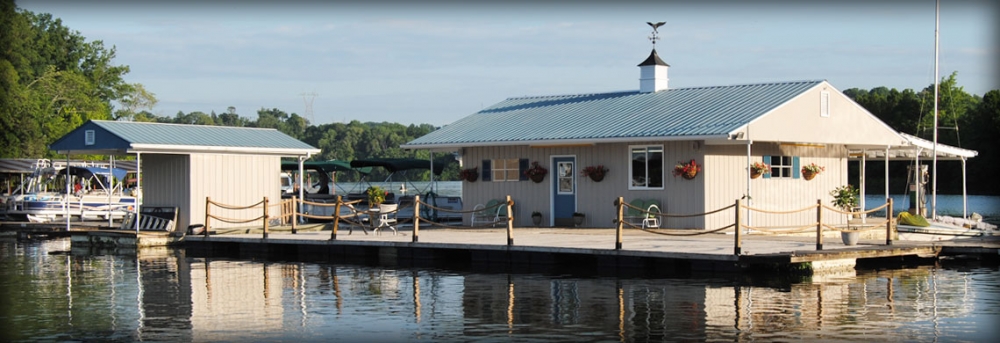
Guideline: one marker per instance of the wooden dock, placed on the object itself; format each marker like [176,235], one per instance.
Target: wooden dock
[590,250]
[580,250]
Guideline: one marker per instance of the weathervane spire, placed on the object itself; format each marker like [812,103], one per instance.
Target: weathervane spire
[653,37]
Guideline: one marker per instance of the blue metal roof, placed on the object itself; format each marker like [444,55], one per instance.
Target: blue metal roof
[672,113]
[122,136]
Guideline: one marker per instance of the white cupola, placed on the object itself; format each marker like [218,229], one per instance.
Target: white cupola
[653,74]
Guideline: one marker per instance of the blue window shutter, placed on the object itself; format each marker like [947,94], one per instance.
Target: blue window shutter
[767,161]
[522,165]
[487,173]
[796,172]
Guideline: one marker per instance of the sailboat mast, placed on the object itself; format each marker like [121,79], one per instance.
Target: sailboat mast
[937,29]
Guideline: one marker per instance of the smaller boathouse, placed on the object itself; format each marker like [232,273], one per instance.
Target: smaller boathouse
[179,166]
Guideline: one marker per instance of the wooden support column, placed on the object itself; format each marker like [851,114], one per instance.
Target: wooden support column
[819,224]
[738,248]
[265,218]
[416,218]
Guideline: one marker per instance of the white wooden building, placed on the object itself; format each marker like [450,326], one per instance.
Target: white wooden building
[181,165]
[641,135]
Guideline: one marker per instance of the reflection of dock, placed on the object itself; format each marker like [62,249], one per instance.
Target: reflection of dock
[584,250]
[90,233]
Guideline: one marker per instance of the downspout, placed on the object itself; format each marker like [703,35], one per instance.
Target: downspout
[749,215]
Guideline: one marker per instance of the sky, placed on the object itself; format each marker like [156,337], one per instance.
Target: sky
[434,62]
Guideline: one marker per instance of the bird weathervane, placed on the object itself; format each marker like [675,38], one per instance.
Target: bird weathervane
[653,36]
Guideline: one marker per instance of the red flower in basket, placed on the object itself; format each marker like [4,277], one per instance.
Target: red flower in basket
[687,170]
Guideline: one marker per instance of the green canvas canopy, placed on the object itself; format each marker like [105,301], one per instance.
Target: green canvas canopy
[324,166]
[401,164]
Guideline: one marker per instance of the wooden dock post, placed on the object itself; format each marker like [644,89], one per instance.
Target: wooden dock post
[265,218]
[618,230]
[510,221]
[738,249]
[416,217]
[208,207]
[294,206]
[819,224]
[888,222]
[336,218]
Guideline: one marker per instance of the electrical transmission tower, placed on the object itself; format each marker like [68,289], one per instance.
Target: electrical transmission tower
[308,99]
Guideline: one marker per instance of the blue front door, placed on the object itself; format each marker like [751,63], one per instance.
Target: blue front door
[563,190]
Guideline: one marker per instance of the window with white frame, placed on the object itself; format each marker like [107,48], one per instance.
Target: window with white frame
[781,166]
[505,170]
[646,167]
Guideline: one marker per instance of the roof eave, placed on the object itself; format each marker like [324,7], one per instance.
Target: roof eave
[175,149]
[563,142]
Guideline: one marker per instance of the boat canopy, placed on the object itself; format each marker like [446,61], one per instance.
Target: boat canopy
[325,166]
[89,172]
[401,164]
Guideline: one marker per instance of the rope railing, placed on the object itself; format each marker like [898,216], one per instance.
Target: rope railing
[263,204]
[357,217]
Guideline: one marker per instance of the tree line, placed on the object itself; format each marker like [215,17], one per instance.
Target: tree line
[52,80]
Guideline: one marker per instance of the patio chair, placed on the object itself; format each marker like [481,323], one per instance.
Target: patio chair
[501,213]
[479,214]
[633,215]
[352,217]
[386,217]
[652,219]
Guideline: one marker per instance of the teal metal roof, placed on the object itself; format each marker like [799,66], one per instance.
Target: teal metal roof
[139,136]
[673,113]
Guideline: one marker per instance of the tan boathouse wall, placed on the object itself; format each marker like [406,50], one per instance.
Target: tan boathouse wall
[184,181]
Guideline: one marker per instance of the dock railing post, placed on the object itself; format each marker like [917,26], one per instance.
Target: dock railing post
[265,217]
[208,207]
[738,249]
[295,211]
[888,222]
[336,218]
[819,224]
[619,204]
[416,217]
[510,221]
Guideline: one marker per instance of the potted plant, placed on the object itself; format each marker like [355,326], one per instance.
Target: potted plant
[578,218]
[536,217]
[536,172]
[595,173]
[376,196]
[687,170]
[846,198]
[471,174]
[810,171]
[759,168]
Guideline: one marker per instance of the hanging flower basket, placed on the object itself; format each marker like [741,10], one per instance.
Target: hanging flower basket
[810,171]
[687,170]
[536,173]
[471,174]
[759,168]
[595,173]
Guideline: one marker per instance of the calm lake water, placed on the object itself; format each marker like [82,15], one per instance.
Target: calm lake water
[51,292]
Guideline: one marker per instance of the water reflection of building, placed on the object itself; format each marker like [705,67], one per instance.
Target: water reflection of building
[837,306]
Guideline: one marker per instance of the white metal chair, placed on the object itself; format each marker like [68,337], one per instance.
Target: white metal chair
[386,217]
[479,214]
[652,219]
